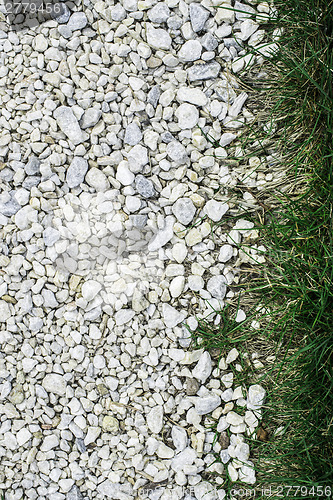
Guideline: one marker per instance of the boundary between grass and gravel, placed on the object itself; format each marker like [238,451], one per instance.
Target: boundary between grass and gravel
[292,293]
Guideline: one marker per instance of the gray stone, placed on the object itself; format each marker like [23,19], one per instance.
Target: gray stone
[60,12]
[177,152]
[154,95]
[241,10]
[209,42]
[90,117]
[198,16]
[144,186]
[139,221]
[118,13]
[50,236]
[159,13]
[76,171]
[77,21]
[167,137]
[10,207]
[205,71]
[184,210]
[80,445]
[33,166]
[68,124]
[74,494]
[192,386]
[133,134]
[33,180]
[216,286]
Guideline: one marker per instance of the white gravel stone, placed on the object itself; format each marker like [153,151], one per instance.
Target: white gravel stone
[192,95]
[90,289]
[160,13]
[97,179]
[256,397]
[203,368]
[177,152]
[206,404]
[77,21]
[69,124]
[184,210]
[187,116]
[155,419]
[233,418]
[198,16]
[226,253]
[179,438]
[55,383]
[216,286]
[171,316]
[76,171]
[232,356]
[158,38]
[177,286]
[4,311]
[215,209]
[190,51]
[90,117]
[23,436]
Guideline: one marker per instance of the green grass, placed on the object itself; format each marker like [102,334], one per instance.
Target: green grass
[296,283]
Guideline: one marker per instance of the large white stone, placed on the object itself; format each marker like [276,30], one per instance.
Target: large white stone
[256,397]
[97,179]
[187,116]
[215,209]
[206,404]
[158,38]
[124,316]
[193,95]
[185,457]
[53,382]
[155,419]
[190,51]
[177,286]
[226,253]
[184,210]
[171,316]
[23,436]
[216,286]
[179,437]
[90,289]
[203,368]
